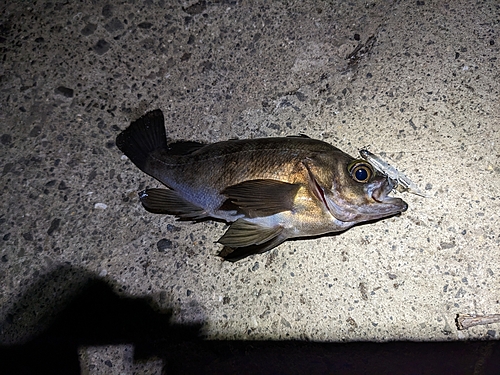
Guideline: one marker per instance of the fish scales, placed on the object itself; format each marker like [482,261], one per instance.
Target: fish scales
[236,161]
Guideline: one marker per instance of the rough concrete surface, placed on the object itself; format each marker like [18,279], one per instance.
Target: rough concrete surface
[417,81]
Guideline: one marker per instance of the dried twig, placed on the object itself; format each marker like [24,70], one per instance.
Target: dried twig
[465,321]
[361,50]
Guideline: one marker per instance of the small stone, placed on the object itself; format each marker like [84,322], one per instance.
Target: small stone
[196,8]
[114,25]
[64,91]
[172,228]
[54,225]
[101,47]
[6,139]
[163,245]
[107,11]
[92,175]
[7,168]
[461,292]
[185,56]
[100,206]
[89,29]
[62,186]
[447,245]
[35,132]
[145,25]
[300,96]
[286,323]
[163,297]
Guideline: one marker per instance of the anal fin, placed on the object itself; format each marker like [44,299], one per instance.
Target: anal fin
[166,201]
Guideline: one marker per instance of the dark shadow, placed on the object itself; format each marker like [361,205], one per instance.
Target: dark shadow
[70,308]
[45,330]
[295,357]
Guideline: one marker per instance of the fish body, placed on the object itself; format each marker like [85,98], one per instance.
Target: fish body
[270,189]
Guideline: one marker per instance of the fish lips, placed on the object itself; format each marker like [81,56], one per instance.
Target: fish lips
[375,203]
[379,191]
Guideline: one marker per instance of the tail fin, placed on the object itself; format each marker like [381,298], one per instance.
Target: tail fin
[142,137]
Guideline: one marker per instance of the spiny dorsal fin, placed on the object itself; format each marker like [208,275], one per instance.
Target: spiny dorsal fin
[184,147]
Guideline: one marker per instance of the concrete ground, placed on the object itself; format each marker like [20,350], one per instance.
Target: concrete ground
[417,81]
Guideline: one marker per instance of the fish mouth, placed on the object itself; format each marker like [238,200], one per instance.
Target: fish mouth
[380,194]
[377,204]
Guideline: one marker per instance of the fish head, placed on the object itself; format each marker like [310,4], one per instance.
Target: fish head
[353,191]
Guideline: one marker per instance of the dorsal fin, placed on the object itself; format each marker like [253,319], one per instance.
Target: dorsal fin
[184,147]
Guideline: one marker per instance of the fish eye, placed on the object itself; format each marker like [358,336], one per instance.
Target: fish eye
[360,171]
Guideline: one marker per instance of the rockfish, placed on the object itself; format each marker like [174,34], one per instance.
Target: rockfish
[269,189]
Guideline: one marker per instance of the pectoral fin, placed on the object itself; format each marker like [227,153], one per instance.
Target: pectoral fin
[258,198]
[166,201]
[244,238]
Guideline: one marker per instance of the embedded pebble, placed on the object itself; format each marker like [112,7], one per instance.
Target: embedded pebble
[100,206]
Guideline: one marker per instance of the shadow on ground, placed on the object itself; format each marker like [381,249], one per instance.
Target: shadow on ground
[51,321]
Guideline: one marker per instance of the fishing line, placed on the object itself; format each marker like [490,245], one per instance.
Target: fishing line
[488,141]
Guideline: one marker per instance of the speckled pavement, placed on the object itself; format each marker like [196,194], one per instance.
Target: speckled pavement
[416,81]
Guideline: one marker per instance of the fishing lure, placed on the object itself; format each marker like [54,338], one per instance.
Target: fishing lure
[402,182]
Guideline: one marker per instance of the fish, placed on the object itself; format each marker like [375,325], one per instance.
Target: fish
[268,189]
[402,182]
